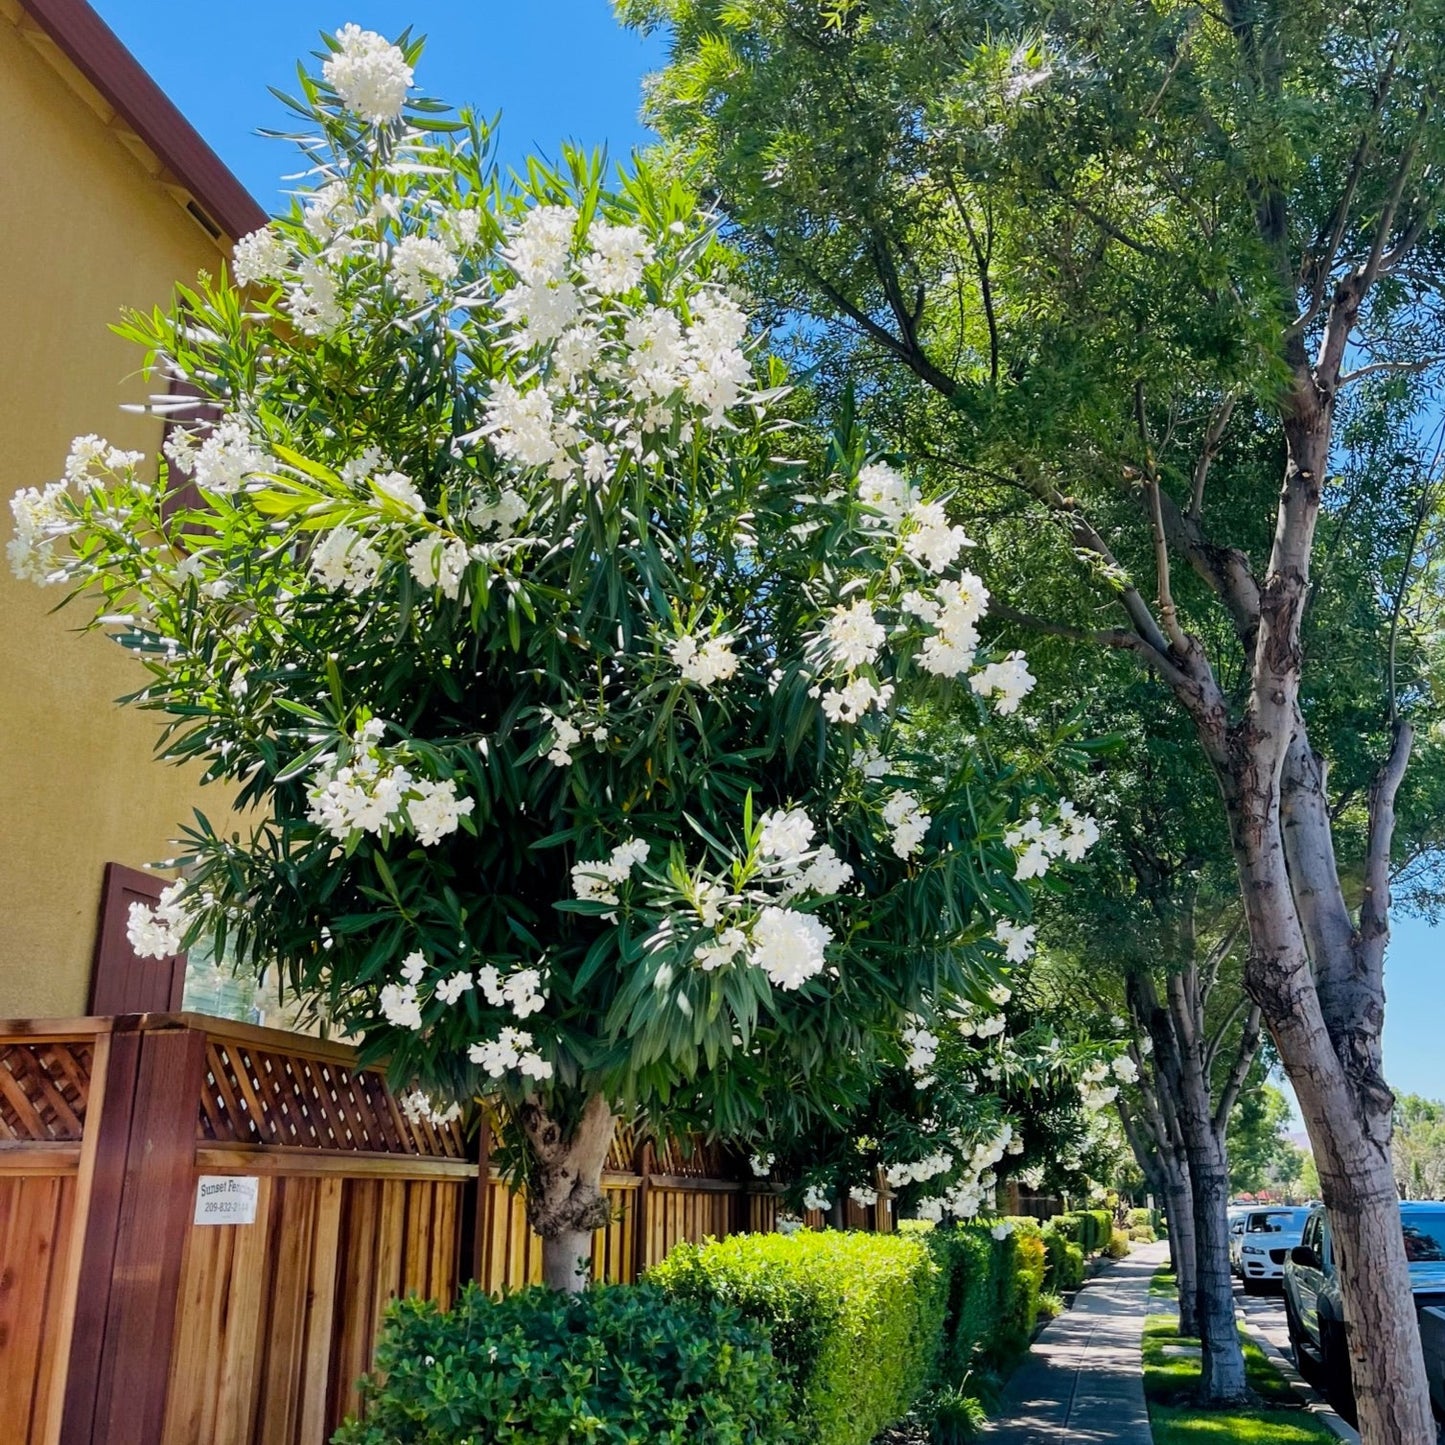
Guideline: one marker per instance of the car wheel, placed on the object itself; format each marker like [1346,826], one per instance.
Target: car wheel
[1335,1369]
[1254,1286]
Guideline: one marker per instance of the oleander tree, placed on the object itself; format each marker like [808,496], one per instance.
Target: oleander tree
[990,1086]
[561,679]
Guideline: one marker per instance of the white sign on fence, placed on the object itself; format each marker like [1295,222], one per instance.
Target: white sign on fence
[226,1199]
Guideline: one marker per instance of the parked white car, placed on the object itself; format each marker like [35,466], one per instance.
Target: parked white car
[1264,1245]
[1237,1215]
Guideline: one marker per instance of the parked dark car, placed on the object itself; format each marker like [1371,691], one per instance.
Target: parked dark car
[1314,1312]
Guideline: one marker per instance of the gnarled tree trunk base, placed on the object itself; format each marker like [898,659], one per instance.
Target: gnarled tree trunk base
[565,1202]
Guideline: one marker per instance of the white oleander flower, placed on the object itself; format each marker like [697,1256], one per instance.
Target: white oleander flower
[1009,681]
[853,634]
[523,993]
[440,562]
[908,822]
[784,836]
[761,1165]
[953,612]
[711,661]
[863,1196]
[500,516]
[815,1197]
[369,74]
[159,931]
[344,560]
[725,947]
[1125,1069]
[887,492]
[395,488]
[848,703]
[418,1109]
[436,811]
[598,880]
[511,1049]
[399,1006]
[932,542]
[228,456]
[40,522]
[449,990]
[922,1046]
[261,256]
[565,737]
[789,946]
[1017,940]
[825,875]
[314,300]
[618,255]
[540,244]
[419,264]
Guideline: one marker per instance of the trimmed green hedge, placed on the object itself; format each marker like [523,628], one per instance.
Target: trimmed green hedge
[615,1365]
[863,1324]
[1065,1262]
[855,1319]
[1090,1229]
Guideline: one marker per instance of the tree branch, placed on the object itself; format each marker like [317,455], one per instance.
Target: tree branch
[1393,368]
[1244,1061]
[1213,435]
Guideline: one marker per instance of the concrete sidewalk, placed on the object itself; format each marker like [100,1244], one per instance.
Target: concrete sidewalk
[1083,1381]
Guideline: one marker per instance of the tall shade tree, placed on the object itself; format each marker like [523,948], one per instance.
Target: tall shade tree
[1154,933]
[1072,247]
[560,679]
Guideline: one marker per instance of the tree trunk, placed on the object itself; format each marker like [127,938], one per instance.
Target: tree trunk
[1222,1378]
[565,1202]
[1323,1004]
[1184,1251]
[1358,1186]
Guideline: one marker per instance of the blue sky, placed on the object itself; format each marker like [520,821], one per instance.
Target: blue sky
[557,70]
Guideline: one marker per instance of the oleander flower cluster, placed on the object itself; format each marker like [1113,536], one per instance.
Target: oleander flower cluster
[566,681]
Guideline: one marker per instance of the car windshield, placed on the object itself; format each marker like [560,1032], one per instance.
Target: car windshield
[1276,1221]
[1425,1238]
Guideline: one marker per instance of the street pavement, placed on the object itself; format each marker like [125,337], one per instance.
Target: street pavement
[1082,1383]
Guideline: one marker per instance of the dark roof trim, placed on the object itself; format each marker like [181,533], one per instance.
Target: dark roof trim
[92,47]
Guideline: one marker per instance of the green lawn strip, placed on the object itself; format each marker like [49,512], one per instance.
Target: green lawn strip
[1170,1379]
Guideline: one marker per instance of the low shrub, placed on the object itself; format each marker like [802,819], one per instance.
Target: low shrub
[1051,1305]
[1141,1219]
[616,1364]
[1142,1234]
[1118,1245]
[856,1320]
[952,1417]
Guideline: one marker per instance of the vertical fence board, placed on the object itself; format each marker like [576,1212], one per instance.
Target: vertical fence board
[321,1314]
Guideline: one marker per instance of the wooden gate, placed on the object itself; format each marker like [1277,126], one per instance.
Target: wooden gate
[125,1322]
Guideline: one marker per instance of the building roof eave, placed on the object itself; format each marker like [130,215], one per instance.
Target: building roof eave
[219,202]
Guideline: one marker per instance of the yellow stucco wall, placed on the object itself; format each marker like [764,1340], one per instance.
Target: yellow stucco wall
[84,232]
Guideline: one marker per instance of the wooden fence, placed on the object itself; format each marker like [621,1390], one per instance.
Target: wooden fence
[661,1195]
[123,1321]
[133,1313]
